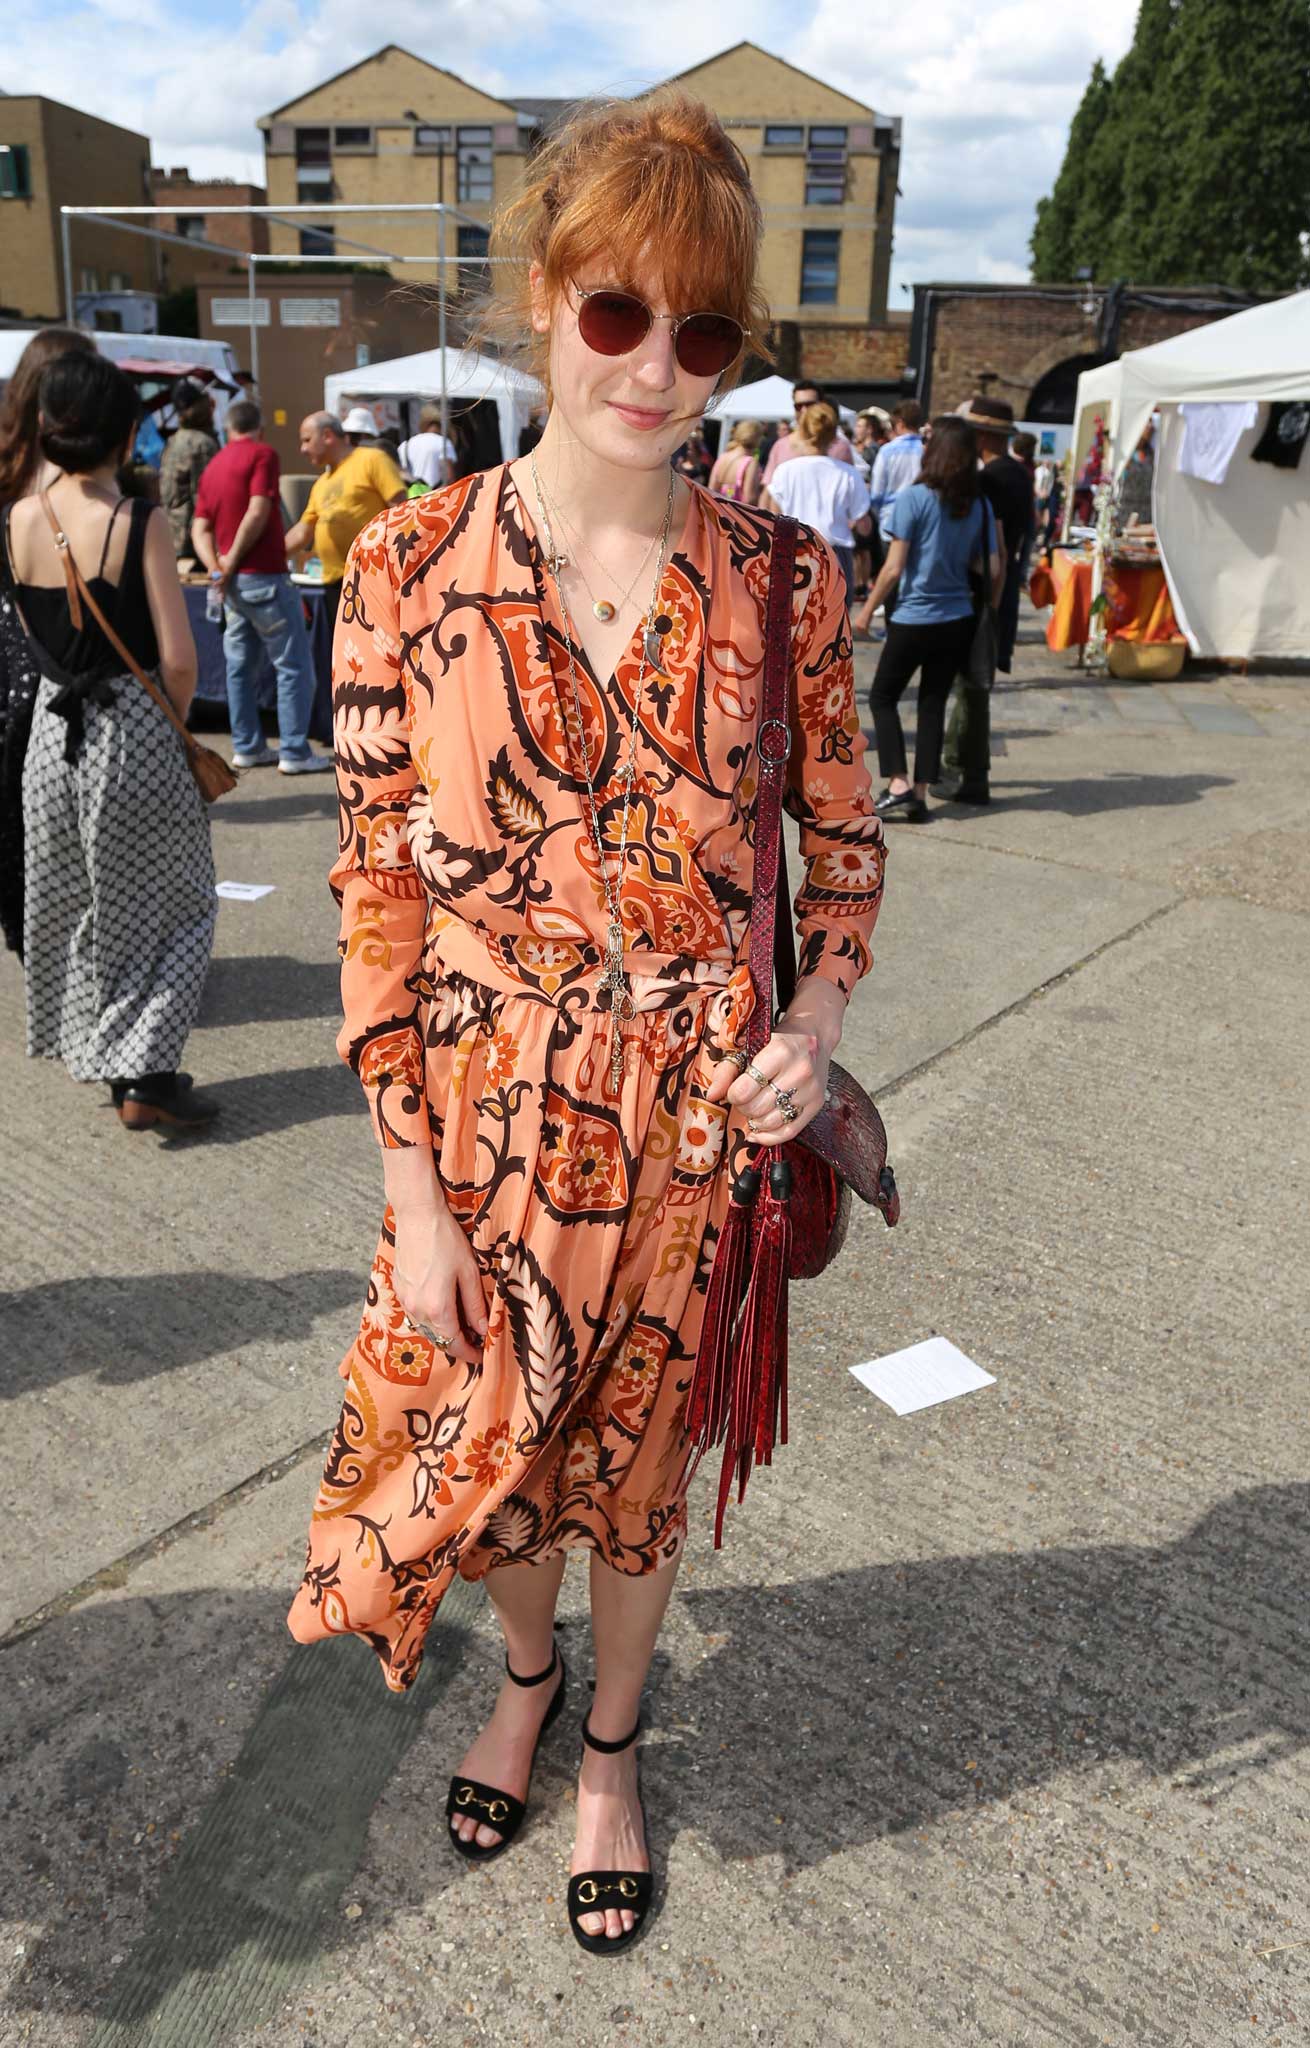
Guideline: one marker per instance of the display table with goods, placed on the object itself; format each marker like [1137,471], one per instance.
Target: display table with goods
[1138,611]
[211,679]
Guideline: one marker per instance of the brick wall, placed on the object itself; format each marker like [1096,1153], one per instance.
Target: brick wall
[854,355]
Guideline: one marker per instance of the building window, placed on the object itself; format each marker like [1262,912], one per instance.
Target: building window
[474,179]
[88,280]
[318,241]
[820,258]
[353,141]
[825,167]
[432,141]
[15,171]
[191,225]
[119,281]
[313,146]
[778,136]
[473,243]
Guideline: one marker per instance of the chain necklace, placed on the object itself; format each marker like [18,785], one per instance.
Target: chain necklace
[614,979]
[602,607]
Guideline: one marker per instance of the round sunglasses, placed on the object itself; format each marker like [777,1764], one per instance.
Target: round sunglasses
[615,323]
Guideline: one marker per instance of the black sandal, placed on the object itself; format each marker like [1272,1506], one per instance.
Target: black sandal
[499,1809]
[632,1888]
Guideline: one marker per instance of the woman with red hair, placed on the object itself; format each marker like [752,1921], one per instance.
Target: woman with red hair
[547,681]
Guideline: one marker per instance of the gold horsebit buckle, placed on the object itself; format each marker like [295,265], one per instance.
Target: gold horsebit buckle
[495,1809]
[589,1891]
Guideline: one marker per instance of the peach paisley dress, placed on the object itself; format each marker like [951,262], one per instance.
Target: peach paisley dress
[472,941]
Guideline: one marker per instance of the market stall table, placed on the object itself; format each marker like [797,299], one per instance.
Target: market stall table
[211,681]
[1140,608]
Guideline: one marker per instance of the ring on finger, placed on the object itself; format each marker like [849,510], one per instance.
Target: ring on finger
[740,1058]
[760,1080]
[785,1099]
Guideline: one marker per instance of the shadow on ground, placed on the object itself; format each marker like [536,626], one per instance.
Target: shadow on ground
[258,987]
[119,1328]
[1106,792]
[832,1712]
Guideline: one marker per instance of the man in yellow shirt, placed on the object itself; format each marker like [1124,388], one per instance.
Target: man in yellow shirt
[356,484]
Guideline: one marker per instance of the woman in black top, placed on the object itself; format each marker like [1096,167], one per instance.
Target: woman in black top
[119,918]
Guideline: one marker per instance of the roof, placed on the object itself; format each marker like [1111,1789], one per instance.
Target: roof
[772,57]
[386,50]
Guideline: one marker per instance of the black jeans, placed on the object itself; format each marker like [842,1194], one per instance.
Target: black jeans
[939,652]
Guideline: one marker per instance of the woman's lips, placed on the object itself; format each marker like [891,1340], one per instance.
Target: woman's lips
[640,416]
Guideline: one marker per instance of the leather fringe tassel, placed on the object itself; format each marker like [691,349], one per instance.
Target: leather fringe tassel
[707,1403]
[739,1386]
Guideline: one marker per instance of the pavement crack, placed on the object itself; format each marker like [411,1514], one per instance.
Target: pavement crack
[120,1570]
[1032,995]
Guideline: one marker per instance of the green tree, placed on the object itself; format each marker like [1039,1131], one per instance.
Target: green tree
[1054,257]
[1236,137]
[1191,165]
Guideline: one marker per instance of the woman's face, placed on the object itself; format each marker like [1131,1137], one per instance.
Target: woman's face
[634,410]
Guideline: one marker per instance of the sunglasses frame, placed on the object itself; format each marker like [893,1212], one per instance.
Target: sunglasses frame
[675,320]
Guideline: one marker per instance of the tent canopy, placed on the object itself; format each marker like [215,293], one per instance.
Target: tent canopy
[1263,353]
[468,375]
[1234,553]
[768,399]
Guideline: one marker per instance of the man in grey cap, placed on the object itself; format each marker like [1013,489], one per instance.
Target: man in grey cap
[356,483]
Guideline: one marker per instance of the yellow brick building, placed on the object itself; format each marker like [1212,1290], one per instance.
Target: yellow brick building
[52,156]
[396,129]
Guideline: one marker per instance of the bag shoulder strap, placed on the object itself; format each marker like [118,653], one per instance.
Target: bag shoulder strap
[79,594]
[772,751]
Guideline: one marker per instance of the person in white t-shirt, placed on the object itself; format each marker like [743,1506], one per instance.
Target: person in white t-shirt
[428,455]
[830,496]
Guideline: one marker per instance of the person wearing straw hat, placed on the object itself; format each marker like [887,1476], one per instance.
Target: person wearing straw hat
[356,484]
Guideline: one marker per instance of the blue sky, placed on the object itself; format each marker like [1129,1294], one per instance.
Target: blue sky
[985,87]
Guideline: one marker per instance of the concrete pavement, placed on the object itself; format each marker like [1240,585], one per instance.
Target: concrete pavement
[988,1726]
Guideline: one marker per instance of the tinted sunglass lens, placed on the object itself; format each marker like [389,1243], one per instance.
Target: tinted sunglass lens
[707,343]
[612,323]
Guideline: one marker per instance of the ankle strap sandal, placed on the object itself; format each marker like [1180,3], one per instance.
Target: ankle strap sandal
[487,1804]
[595,1891]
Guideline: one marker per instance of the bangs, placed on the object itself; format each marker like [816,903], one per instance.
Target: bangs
[668,224]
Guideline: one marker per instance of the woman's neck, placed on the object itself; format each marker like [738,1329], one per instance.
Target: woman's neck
[96,483]
[595,494]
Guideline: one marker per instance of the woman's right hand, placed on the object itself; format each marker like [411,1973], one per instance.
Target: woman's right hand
[436,1279]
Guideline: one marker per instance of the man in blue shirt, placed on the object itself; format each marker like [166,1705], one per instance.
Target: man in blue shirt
[897,462]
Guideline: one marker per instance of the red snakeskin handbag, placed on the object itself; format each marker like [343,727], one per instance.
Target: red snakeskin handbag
[791,1204]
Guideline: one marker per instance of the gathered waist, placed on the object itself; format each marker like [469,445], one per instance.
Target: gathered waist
[561,973]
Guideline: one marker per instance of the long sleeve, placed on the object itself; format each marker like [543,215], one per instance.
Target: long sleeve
[383,901]
[829,792]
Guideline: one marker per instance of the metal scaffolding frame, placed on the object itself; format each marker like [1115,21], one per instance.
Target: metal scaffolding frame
[125,218]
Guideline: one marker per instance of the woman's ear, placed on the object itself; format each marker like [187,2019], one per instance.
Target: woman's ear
[540,300]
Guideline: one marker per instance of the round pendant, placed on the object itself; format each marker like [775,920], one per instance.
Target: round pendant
[604,610]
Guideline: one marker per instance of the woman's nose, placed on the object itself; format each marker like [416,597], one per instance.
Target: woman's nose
[653,364]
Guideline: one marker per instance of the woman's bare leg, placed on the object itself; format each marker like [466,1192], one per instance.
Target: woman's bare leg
[524,1597]
[626,1614]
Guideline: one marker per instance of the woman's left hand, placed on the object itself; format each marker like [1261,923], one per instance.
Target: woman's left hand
[791,1070]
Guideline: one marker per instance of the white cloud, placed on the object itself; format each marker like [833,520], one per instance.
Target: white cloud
[985,89]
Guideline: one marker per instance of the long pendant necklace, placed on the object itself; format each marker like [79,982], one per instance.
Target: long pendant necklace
[614,979]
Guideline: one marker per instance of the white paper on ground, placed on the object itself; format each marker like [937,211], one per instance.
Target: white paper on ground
[245,892]
[922,1375]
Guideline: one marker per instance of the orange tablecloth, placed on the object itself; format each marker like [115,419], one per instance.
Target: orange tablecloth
[1140,606]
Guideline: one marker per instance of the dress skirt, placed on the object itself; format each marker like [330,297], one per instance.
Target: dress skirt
[120,908]
[592,1211]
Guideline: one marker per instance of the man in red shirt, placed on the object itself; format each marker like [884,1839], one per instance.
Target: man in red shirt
[237,534]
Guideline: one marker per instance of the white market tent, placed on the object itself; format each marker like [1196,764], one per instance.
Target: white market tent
[769,399]
[467,376]
[1235,553]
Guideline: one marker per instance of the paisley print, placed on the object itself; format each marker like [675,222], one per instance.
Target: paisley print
[472,942]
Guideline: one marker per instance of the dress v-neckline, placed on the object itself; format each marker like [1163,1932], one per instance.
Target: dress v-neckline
[548,591]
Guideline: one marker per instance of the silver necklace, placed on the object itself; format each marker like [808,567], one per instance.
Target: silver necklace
[614,979]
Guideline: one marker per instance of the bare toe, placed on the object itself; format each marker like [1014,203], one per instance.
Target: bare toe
[593,1923]
[487,1838]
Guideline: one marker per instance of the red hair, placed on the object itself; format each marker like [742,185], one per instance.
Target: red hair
[644,186]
